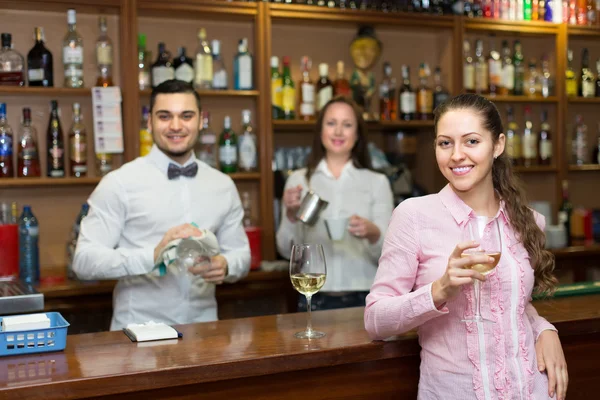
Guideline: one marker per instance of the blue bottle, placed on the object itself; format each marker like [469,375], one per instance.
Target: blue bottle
[29,256]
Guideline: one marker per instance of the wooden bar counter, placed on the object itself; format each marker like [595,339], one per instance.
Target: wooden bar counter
[259,357]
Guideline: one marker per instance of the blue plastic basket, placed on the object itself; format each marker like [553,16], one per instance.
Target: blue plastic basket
[36,340]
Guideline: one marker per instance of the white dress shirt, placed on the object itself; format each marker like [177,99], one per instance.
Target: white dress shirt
[130,211]
[351,262]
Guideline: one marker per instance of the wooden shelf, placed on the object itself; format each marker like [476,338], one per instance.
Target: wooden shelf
[37,182]
[43,91]
[216,93]
[584,100]
[516,27]
[585,167]
[577,251]
[522,99]
[307,126]
[194,8]
[584,31]
[536,169]
[245,176]
[306,13]
[82,6]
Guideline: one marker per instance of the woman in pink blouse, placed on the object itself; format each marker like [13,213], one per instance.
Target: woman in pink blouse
[422,281]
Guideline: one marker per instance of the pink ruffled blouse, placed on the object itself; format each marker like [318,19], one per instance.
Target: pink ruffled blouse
[459,360]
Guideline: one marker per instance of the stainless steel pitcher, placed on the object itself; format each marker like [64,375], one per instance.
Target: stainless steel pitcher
[310,208]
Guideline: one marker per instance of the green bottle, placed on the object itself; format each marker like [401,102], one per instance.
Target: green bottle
[228,144]
[519,64]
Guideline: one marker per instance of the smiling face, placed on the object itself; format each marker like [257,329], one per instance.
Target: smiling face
[465,150]
[174,124]
[339,130]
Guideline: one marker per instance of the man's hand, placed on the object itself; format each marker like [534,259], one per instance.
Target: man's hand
[177,232]
[214,271]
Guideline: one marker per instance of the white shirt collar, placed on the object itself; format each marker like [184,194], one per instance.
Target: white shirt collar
[324,169]
[162,161]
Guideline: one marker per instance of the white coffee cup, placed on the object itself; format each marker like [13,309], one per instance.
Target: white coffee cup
[336,227]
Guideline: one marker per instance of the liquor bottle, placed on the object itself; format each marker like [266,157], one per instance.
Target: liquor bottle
[104,55]
[242,67]
[78,144]
[55,144]
[481,69]
[565,211]
[520,6]
[598,72]
[571,81]
[247,144]
[579,142]
[545,141]
[39,62]
[205,146]
[288,99]
[73,53]
[596,152]
[276,90]
[341,85]
[29,255]
[440,93]
[519,63]
[228,157]
[203,76]
[408,98]
[526,10]
[144,80]
[324,87]
[468,68]
[513,139]
[184,67]
[581,12]
[162,69]
[146,140]
[307,91]
[495,69]
[28,164]
[12,64]
[532,84]
[6,145]
[424,94]
[535,14]
[508,71]
[219,71]
[590,8]
[547,83]
[530,141]
[387,95]
[587,85]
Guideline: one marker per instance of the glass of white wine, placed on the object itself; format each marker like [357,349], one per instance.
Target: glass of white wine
[307,273]
[485,231]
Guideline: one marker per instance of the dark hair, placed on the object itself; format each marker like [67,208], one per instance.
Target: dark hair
[511,191]
[360,154]
[173,86]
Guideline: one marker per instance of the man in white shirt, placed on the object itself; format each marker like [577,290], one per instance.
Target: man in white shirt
[138,209]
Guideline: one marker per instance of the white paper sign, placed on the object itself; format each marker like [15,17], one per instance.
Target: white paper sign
[108,123]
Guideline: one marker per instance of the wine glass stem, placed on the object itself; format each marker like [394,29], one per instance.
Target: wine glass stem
[477,291]
[308,309]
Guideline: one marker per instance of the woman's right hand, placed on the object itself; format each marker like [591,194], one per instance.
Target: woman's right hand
[457,274]
[291,201]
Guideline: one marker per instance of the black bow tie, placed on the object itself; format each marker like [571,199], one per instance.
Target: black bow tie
[174,171]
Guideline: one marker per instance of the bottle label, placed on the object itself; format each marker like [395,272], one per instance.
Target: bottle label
[571,87]
[244,72]
[104,55]
[247,152]
[481,77]
[184,73]
[588,89]
[513,147]
[425,102]
[56,163]
[161,74]
[78,149]
[308,93]
[32,231]
[495,67]
[72,55]
[307,109]
[408,103]
[208,138]
[277,92]
[508,76]
[6,146]
[227,155]
[580,147]
[220,79]
[73,72]
[35,75]
[144,79]
[81,169]
[288,99]
[324,96]
[29,152]
[530,147]
[469,77]
[203,68]
[545,149]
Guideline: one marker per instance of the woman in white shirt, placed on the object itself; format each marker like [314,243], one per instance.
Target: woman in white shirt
[339,171]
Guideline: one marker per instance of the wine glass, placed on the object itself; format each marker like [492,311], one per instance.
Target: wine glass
[485,231]
[307,273]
